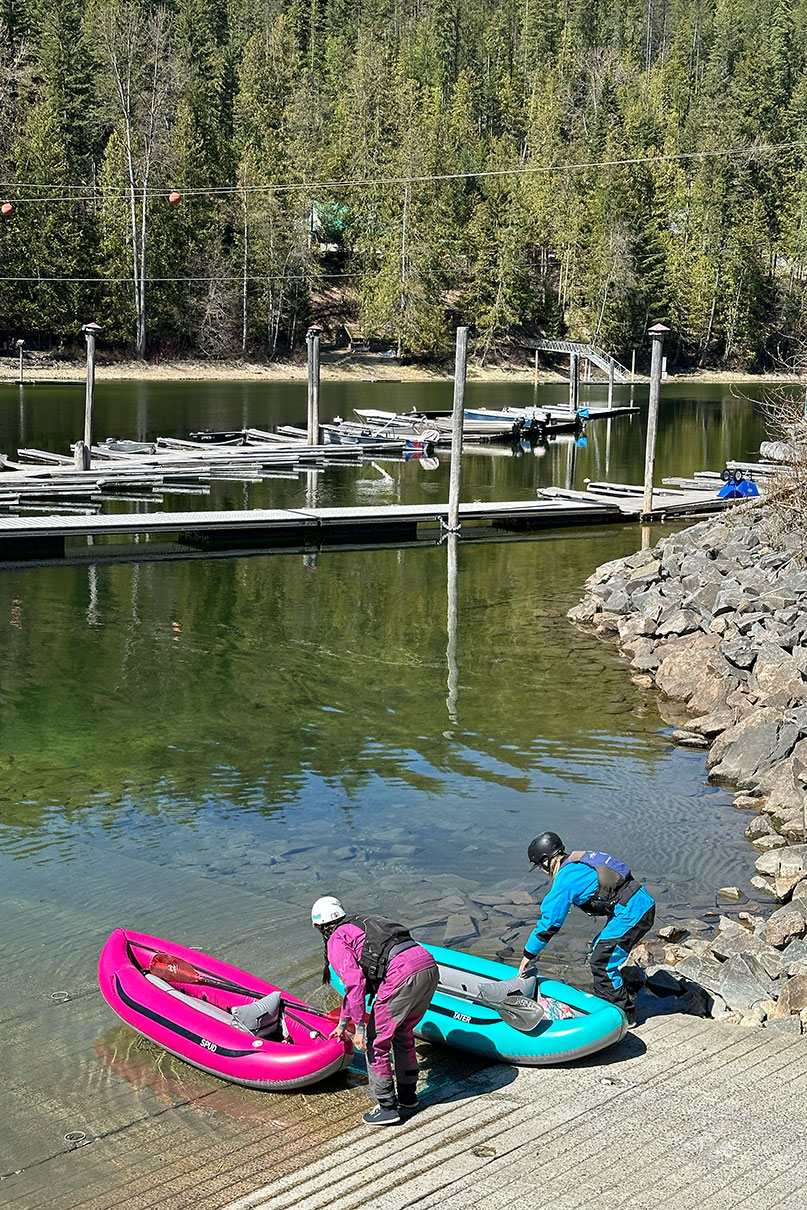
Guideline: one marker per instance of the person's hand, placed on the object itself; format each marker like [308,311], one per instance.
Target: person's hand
[525,962]
[359,1038]
[339,1033]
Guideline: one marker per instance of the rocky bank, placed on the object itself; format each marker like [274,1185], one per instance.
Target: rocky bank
[716,617]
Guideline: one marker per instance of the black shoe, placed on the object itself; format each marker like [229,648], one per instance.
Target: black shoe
[630,1013]
[407,1108]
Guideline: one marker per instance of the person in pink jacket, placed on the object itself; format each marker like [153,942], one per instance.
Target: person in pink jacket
[377,957]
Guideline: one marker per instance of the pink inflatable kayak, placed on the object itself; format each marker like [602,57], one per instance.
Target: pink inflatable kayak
[182,999]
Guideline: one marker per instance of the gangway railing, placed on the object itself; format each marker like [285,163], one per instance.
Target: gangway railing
[598,357]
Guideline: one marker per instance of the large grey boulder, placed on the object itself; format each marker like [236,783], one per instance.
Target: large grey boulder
[728,601]
[732,939]
[776,673]
[751,746]
[634,627]
[759,826]
[677,621]
[701,599]
[585,611]
[787,924]
[606,622]
[682,666]
[650,602]
[711,725]
[742,655]
[645,655]
[789,862]
[778,785]
[617,602]
[702,969]
[793,997]
[644,575]
[793,956]
[743,984]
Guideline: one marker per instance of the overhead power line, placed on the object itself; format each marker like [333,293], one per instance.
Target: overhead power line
[749,151]
[176,280]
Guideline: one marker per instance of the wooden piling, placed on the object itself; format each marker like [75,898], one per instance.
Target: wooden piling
[574,381]
[91,331]
[657,334]
[610,382]
[312,340]
[457,417]
[20,346]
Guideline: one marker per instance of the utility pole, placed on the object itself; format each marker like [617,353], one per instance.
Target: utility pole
[657,334]
[403,268]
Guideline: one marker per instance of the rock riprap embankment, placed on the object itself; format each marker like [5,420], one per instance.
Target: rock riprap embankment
[716,617]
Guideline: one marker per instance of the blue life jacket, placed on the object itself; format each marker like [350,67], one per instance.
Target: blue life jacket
[615,883]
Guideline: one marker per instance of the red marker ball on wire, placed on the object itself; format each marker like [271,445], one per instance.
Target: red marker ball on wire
[174,197]
[6,209]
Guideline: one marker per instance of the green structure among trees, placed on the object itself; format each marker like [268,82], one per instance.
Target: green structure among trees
[565,167]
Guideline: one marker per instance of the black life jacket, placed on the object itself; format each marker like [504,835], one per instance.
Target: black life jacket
[615,883]
[383,940]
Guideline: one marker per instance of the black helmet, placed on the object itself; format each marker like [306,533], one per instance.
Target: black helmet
[544,848]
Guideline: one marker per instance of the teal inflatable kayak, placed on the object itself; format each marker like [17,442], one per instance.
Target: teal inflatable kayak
[552,1023]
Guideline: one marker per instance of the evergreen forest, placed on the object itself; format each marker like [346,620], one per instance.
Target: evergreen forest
[208,177]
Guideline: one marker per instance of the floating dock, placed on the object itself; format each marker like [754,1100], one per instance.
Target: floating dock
[55,536]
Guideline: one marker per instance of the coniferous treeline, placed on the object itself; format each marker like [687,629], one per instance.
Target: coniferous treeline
[569,167]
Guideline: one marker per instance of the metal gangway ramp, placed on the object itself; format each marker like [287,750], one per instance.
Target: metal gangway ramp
[597,357]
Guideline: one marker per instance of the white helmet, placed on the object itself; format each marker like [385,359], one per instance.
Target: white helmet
[326,910]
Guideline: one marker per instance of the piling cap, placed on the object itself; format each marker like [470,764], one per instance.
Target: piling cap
[92,327]
[658,330]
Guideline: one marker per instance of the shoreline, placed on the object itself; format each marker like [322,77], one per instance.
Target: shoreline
[715,619]
[333,367]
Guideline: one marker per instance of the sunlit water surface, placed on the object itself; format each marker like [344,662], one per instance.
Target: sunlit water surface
[200,748]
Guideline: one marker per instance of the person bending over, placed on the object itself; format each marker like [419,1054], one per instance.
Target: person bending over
[599,885]
[375,956]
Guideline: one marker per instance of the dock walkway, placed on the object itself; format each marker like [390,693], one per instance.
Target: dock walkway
[46,536]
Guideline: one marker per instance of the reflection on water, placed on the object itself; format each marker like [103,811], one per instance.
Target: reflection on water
[215,705]
[699,427]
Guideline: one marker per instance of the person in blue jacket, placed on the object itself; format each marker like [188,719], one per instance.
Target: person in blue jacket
[599,885]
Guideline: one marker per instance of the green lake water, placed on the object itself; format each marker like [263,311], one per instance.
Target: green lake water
[200,748]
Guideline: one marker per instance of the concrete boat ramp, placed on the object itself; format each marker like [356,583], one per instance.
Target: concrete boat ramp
[682,1112]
